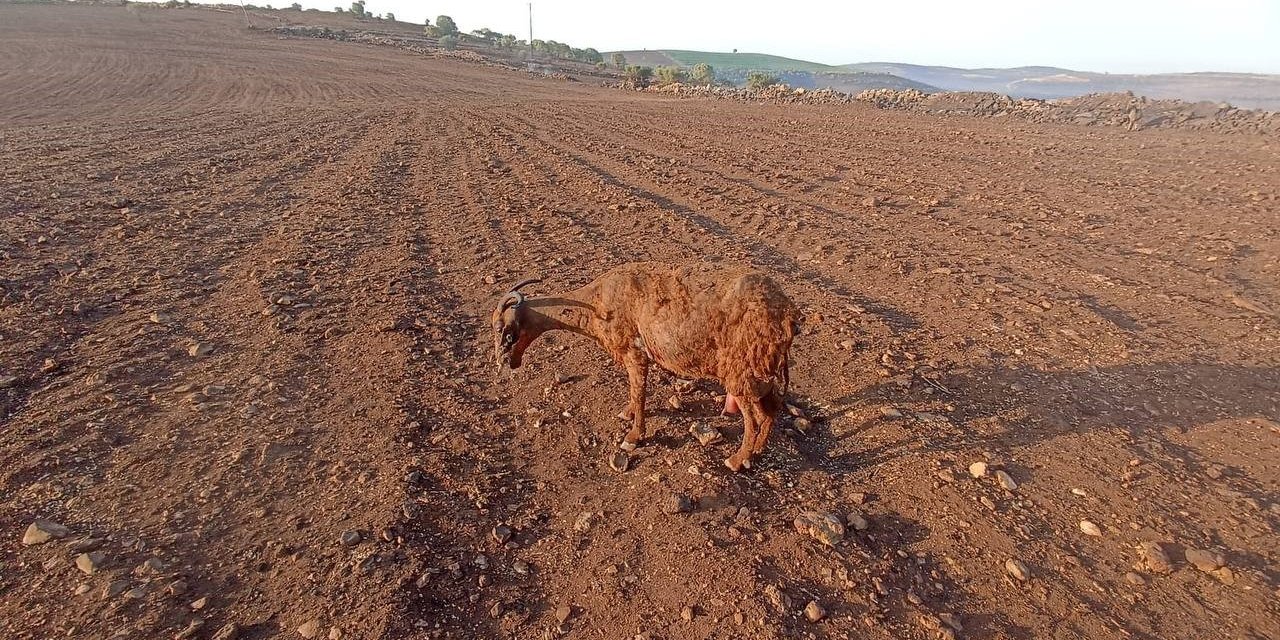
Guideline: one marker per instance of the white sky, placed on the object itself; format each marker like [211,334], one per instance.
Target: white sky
[1119,36]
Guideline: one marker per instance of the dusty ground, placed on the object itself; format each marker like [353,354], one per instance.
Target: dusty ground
[1088,309]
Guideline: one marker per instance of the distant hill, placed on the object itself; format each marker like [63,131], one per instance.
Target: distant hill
[1248,90]
[733,67]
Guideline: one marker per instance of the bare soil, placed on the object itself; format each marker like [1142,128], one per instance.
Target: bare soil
[326,226]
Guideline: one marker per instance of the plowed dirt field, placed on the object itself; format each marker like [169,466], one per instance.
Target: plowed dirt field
[245,357]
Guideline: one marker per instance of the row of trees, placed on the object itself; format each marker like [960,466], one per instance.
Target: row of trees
[701,73]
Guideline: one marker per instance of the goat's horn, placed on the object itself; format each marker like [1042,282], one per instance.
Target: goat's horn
[513,299]
[526,282]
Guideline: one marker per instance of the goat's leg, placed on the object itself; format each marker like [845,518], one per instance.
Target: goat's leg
[743,457]
[766,419]
[637,372]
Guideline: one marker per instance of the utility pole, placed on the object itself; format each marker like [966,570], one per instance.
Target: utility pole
[530,33]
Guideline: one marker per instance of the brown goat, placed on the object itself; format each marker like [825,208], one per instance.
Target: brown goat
[699,322]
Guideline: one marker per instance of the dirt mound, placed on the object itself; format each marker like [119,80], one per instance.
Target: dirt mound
[247,390]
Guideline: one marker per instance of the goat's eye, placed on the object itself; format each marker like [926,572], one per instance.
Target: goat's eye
[509,338]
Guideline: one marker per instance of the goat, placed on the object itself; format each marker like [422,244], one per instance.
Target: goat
[699,322]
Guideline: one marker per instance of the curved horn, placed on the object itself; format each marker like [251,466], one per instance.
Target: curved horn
[525,282]
[512,299]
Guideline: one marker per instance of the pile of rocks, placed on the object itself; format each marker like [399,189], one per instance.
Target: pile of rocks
[1104,109]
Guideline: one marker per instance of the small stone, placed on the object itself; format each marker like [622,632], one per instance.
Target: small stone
[803,425]
[978,469]
[1135,579]
[1156,559]
[114,588]
[675,403]
[191,630]
[777,597]
[351,538]
[136,593]
[150,566]
[336,633]
[857,521]
[584,522]
[677,503]
[176,588]
[200,349]
[520,567]
[41,531]
[686,613]
[200,603]
[160,317]
[619,461]
[946,475]
[502,533]
[914,599]
[228,631]
[1206,561]
[1079,492]
[1017,569]
[858,498]
[309,629]
[1006,481]
[1090,529]
[814,611]
[705,433]
[871,201]
[8,381]
[83,589]
[563,612]
[738,618]
[951,620]
[90,562]
[823,527]
[1224,575]
[890,412]
[490,280]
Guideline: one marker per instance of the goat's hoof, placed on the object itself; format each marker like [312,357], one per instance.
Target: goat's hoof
[733,465]
[624,416]
[627,446]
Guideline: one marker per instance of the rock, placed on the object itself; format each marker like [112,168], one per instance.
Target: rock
[1006,481]
[90,562]
[1079,492]
[814,611]
[823,527]
[191,630]
[619,461]
[336,633]
[83,589]
[41,531]
[777,597]
[200,349]
[951,620]
[351,538]
[858,498]
[675,403]
[1224,575]
[738,618]
[200,603]
[1134,579]
[489,279]
[114,588]
[705,433]
[677,503]
[803,425]
[978,469]
[176,588]
[160,317]
[520,567]
[1090,529]
[1156,559]
[228,631]
[563,612]
[502,533]
[1206,561]
[585,521]
[686,613]
[136,593]
[946,475]
[856,520]
[1017,569]
[8,381]
[150,566]
[870,201]
[309,629]
[890,412]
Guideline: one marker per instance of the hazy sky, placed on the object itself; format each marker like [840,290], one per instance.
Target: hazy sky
[1121,36]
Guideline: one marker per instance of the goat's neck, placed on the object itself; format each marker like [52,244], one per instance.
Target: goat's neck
[567,312]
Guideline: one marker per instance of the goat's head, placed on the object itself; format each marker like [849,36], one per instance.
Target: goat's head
[510,330]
